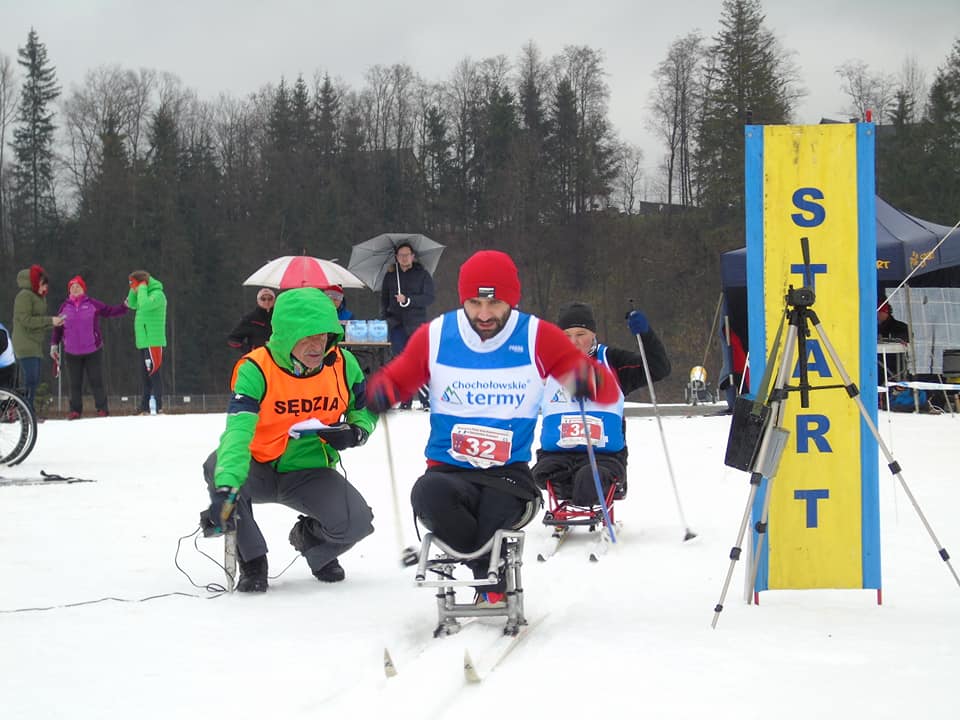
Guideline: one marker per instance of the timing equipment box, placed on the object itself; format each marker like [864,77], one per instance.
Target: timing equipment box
[746,432]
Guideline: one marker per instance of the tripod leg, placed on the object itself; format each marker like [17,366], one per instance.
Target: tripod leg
[783,372]
[735,551]
[892,464]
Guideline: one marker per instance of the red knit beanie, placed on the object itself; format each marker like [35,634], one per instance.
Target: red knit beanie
[490,274]
[37,275]
[76,279]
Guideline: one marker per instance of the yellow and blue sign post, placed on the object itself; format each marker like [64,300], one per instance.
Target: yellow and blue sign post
[817,182]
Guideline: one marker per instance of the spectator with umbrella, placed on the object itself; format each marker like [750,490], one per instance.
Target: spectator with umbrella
[406,293]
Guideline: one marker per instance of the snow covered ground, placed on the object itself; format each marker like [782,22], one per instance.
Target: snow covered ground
[630,633]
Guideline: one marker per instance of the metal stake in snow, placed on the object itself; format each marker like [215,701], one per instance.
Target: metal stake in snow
[688,533]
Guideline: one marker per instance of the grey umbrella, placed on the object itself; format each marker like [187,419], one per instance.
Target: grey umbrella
[371,259]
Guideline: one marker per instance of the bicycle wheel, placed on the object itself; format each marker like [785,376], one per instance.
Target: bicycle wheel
[18,428]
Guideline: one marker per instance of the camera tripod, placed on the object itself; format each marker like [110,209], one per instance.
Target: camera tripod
[799,317]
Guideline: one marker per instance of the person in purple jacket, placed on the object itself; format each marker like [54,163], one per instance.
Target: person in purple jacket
[82,344]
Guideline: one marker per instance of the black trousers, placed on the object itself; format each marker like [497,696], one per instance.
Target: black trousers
[152,380]
[92,365]
[464,511]
[572,477]
[339,516]
[8,377]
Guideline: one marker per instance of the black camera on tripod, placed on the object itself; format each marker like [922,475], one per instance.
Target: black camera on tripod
[800,297]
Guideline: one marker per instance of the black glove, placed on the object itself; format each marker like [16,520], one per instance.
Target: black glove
[344,436]
[219,518]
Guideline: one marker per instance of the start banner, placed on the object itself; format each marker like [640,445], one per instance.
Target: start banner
[817,182]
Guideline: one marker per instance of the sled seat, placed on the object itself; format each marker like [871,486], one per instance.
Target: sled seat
[563,513]
[505,549]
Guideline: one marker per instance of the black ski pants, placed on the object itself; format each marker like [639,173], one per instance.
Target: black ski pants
[92,365]
[572,477]
[340,517]
[464,509]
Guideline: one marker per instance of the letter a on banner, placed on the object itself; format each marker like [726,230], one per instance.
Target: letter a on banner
[817,182]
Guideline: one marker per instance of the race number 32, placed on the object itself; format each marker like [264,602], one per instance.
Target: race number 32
[480,446]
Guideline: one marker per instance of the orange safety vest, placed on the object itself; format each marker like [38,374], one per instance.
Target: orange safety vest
[289,399]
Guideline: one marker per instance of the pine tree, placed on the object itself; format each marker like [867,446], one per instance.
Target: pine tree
[437,168]
[530,143]
[747,80]
[942,147]
[34,202]
[561,149]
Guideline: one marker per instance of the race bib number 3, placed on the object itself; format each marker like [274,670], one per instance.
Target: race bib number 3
[480,446]
[571,431]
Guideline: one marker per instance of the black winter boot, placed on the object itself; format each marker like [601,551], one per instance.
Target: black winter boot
[300,536]
[331,572]
[253,575]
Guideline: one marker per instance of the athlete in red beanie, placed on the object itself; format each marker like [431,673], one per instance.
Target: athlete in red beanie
[485,364]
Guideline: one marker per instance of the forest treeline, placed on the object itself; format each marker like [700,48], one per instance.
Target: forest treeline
[131,170]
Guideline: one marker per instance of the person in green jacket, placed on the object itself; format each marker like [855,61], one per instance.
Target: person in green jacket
[297,403]
[147,300]
[30,325]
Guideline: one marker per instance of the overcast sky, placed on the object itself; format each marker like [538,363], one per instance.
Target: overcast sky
[237,46]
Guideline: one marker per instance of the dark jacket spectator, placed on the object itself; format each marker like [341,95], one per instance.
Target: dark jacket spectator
[888,327]
[255,327]
[406,293]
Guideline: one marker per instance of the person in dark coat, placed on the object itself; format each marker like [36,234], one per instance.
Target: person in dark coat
[254,328]
[888,327]
[562,458]
[406,293]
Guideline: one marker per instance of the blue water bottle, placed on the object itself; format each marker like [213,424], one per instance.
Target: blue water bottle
[153,405]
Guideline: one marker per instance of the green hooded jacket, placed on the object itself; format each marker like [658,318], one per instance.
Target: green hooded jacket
[150,319]
[298,314]
[30,320]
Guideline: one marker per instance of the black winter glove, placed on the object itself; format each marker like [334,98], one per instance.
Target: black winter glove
[219,518]
[344,436]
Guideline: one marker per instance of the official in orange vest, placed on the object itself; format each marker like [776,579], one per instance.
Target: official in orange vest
[297,403]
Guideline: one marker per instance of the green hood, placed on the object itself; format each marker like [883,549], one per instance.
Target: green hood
[298,314]
[23,279]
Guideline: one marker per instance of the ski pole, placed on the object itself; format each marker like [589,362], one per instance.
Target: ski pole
[688,533]
[408,553]
[591,456]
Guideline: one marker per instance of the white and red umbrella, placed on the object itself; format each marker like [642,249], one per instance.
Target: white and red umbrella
[294,271]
